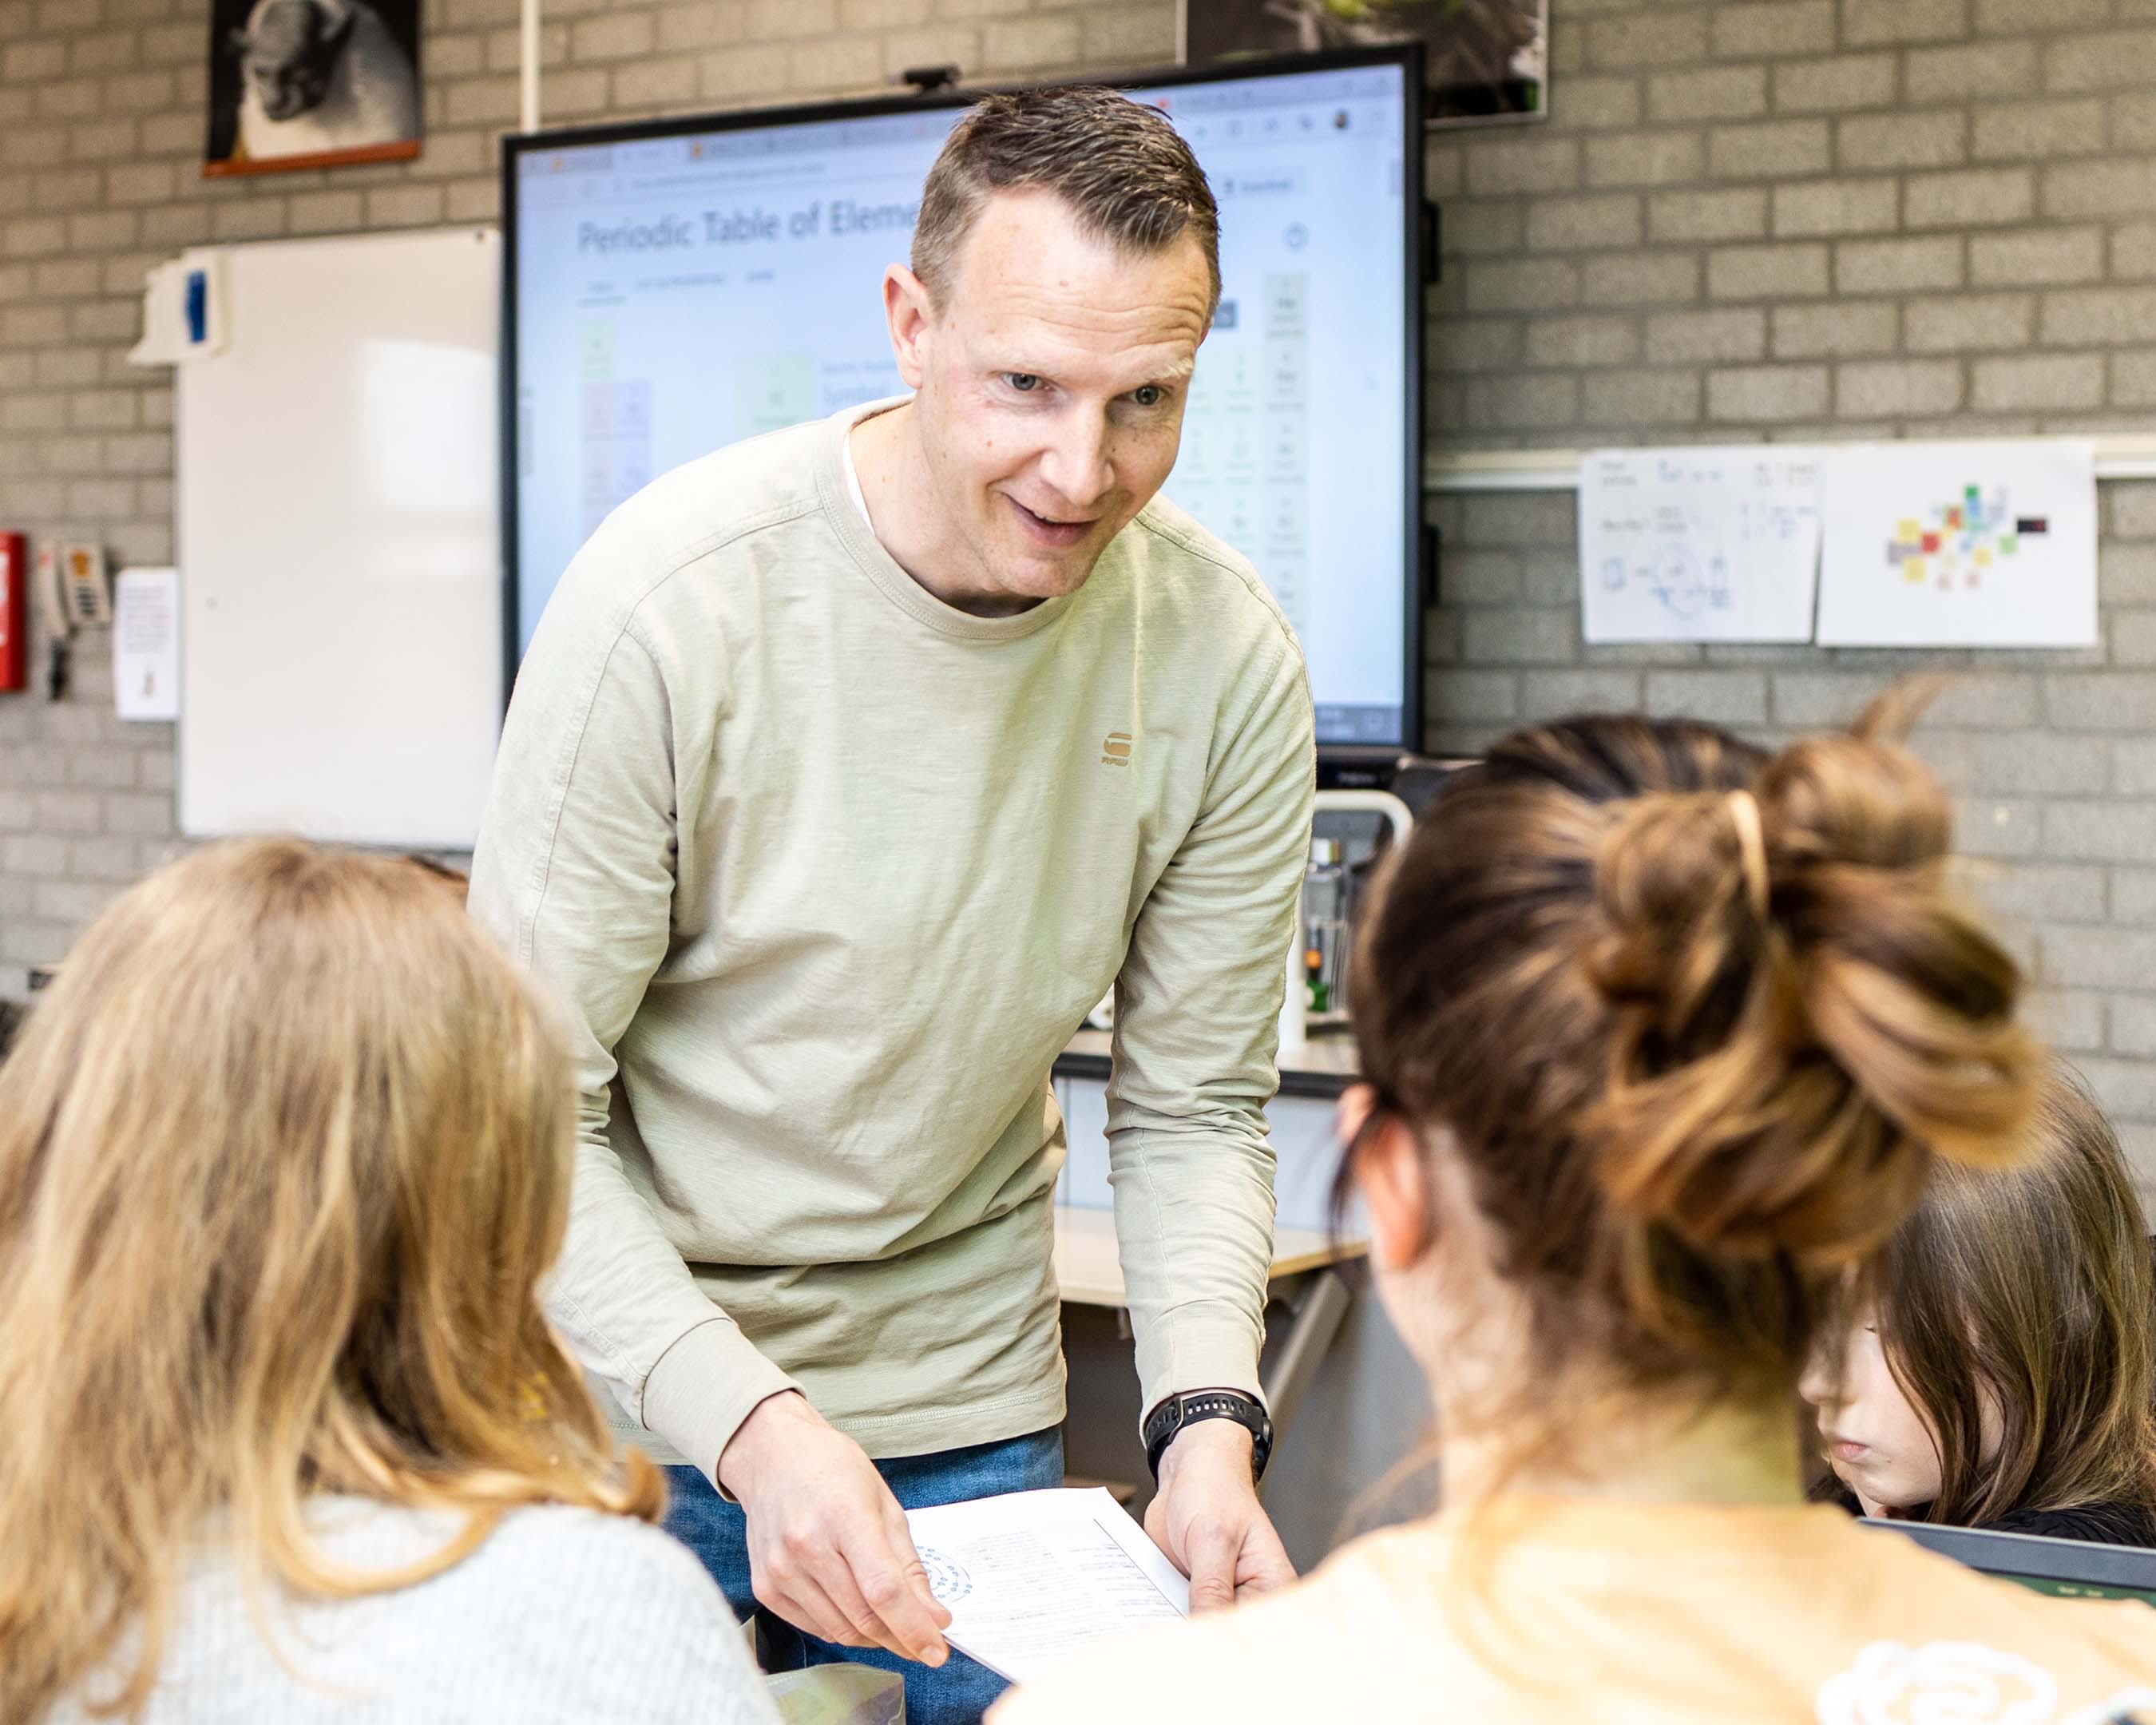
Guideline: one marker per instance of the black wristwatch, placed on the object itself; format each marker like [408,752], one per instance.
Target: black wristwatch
[1178,1411]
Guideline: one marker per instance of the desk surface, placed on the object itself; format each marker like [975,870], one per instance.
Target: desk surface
[1323,1067]
[1088,1271]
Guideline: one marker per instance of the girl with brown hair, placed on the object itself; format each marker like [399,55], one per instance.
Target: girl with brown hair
[284,1155]
[1995,1367]
[1660,1035]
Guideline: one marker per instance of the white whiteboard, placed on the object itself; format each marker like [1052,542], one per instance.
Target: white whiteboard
[338,524]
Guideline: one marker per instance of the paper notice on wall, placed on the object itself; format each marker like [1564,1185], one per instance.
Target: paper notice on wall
[1713,543]
[1985,544]
[146,643]
[1031,1577]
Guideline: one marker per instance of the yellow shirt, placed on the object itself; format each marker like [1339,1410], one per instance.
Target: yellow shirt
[1631,1614]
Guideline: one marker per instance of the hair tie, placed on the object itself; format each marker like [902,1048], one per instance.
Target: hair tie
[1750,848]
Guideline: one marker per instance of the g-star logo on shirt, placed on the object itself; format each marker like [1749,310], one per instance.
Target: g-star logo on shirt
[1116,749]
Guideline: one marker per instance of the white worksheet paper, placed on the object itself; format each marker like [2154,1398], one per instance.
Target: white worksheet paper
[1712,543]
[146,643]
[1031,1577]
[1980,544]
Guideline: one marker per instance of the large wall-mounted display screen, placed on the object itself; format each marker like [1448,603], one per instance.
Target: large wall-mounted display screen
[674,287]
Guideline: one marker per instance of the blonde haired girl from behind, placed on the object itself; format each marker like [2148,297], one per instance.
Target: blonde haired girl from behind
[1661,1034]
[282,1435]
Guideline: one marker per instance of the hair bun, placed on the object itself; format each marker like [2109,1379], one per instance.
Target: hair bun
[1802,1011]
[1675,876]
[1903,983]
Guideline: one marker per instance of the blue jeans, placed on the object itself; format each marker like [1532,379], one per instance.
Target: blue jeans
[961,1689]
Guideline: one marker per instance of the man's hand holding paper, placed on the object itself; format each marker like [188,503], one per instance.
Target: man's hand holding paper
[1206,1515]
[828,1543]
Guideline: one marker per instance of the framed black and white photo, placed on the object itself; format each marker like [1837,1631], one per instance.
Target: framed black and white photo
[303,84]
[1484,60]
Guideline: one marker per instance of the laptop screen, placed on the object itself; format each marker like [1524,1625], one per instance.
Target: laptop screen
[2080,1589]
[2065,1568]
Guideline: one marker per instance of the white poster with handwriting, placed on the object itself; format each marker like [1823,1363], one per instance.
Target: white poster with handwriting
[1712,543]
[1979,544]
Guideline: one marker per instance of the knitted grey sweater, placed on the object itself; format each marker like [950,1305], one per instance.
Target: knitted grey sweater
[563,1615]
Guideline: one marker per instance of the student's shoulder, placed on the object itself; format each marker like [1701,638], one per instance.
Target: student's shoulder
[2063,1661]
[605,1607]
[1925,1614]
[2112,1636]
[1301,1653]
[1166,1673]
[615,1600]
[538,1561]
[588,1549]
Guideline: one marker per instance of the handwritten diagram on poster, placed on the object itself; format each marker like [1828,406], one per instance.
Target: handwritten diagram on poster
[1988,544]
[1705,544]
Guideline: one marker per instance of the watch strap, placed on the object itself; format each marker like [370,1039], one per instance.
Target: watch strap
[1190,1406]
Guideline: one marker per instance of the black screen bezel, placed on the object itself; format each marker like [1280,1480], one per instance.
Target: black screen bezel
[1407,56]
[2034,1557]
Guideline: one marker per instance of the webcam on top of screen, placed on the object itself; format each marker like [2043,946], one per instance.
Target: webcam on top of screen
[927,80]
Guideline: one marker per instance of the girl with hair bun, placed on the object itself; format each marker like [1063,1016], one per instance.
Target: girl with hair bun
[1662,1037]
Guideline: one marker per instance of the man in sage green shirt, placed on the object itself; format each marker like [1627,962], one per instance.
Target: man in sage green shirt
[849,766]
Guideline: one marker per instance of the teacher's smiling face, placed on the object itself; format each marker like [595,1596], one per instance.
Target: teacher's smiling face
[1050,385]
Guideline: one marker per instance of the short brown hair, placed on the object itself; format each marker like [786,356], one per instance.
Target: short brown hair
[1696,1021]
[1126,173]
[2034,1286]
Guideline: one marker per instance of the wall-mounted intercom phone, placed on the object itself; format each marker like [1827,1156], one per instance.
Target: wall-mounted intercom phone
[52,612]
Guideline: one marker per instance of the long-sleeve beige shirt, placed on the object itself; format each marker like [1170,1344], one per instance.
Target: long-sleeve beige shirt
[825,873]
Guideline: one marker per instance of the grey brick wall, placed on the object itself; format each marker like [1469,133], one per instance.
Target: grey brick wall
[1806,220]
[101,124]
[1788,218]
[2051,756]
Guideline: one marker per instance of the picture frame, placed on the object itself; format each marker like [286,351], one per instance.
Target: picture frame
[311,84]
[1484,60]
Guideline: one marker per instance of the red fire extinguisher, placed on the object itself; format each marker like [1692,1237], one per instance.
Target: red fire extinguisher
[14,609]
